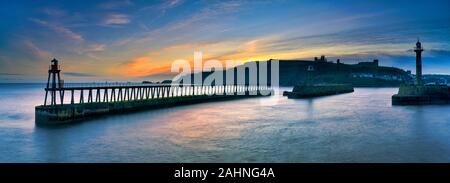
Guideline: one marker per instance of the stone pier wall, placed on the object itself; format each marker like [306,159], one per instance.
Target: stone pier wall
[422,94]
[302,91]
[68,113]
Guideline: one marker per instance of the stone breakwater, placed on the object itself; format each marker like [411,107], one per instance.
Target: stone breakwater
[68,113]
[422,94]
[305,91]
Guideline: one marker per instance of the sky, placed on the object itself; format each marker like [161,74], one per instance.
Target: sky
[135,40]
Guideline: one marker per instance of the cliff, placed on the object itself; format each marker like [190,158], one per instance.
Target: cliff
[294,72]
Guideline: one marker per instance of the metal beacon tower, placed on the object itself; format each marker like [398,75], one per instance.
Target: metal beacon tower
[55,84]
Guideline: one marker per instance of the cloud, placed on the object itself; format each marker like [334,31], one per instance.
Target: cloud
[169,5]
[95,48]
[439,52]
[59,29]
[35,51]
[10,74]
[174,2]
[141,66]
[207,13]
[116,19]
[79,74]
[54,12]
[163,7]
[115,4]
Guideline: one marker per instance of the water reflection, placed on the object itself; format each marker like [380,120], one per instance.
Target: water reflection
[355,127]
[310,108]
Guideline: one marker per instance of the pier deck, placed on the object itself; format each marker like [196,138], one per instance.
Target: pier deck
[101,100]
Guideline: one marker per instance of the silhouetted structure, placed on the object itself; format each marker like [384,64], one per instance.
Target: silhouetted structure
[418,49]
[418,93]
[307,91]
[55,83]
[322,59]
[110,98]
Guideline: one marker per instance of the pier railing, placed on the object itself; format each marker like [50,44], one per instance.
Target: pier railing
[80,93]
[109,84]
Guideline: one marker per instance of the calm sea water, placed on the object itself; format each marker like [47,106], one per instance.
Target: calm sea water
[355,127]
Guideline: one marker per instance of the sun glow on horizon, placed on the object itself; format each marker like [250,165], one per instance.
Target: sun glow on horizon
[139,39]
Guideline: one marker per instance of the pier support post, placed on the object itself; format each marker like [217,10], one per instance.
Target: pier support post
[113,95]
[147,93]
[97,97]
[90,96]
[72,101]
[119,95]
[81,96]
[61,96]
[105,95]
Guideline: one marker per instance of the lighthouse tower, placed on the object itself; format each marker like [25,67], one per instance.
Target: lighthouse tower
[54,82]
[418,49]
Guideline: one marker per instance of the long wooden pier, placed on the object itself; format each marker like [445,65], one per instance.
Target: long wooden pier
[66,103]
[111,93]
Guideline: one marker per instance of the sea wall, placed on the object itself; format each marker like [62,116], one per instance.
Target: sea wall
[302,91]
[420,94]
[67,113]
[419,90]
